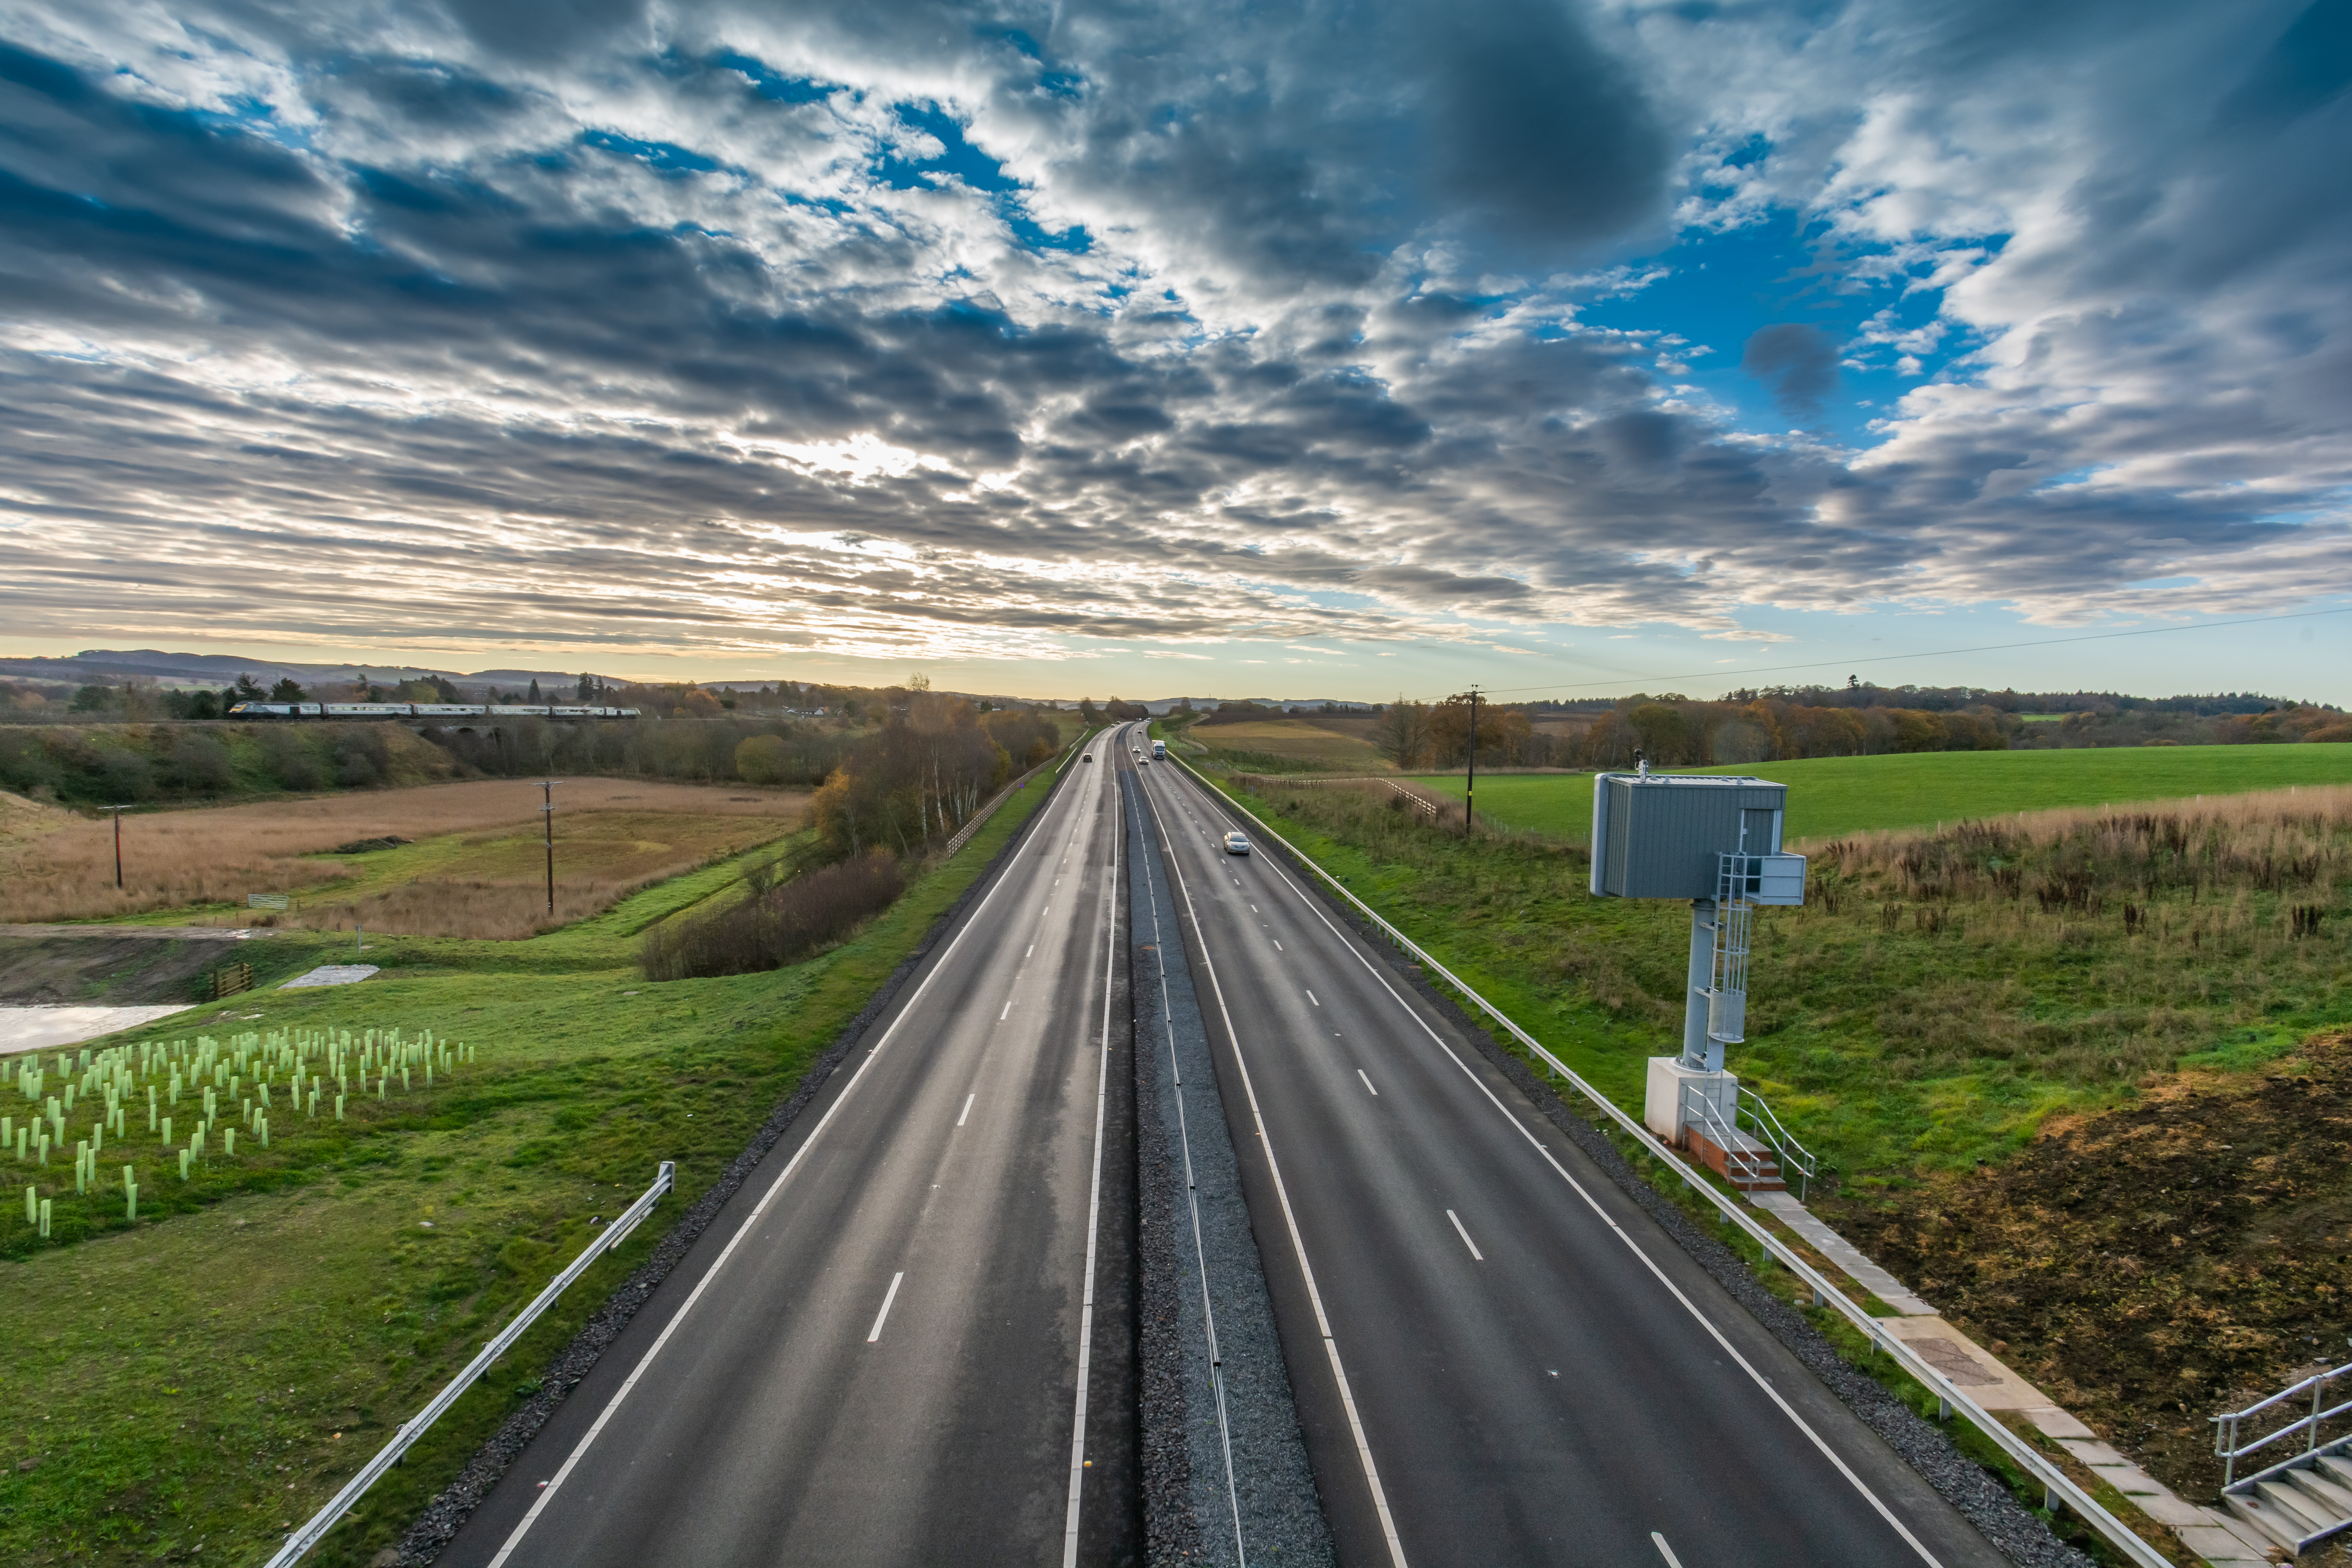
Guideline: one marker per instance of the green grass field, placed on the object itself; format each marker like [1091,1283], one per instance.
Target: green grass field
[207,1377]
[1832,796]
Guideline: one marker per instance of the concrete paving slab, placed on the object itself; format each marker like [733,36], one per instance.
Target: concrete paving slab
[45,1028]
[1976,1370]
[333,974]
[2058,1423]
[1793,1214]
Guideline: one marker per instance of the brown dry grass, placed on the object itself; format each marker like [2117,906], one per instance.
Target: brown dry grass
[22,820]
[614,835]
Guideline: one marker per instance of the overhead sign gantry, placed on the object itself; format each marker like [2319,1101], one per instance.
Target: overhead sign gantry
[1714,839]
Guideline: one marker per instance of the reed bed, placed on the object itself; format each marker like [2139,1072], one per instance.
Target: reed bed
[171,1115]
[175,860]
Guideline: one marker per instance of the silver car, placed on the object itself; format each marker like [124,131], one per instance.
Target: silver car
[1237,844]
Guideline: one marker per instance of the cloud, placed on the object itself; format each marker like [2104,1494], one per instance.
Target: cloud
[704,328]
[1798,361]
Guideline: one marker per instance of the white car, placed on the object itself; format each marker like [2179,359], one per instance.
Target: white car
[1237,844]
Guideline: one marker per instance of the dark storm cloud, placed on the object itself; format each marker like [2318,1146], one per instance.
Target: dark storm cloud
[1798,361]
[909,327]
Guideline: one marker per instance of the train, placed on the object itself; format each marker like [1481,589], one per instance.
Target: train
[423,710]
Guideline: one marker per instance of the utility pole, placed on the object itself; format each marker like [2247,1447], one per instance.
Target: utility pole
[118,811]
[1470,790]
[548,816]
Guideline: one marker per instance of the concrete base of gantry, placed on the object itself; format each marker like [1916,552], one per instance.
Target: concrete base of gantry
[1663,1109]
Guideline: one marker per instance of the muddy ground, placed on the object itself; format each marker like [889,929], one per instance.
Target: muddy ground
[2152,1266]
[120,968]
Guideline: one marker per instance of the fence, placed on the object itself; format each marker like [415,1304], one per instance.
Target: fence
[963,835]
[2057,1486]
[312,1532]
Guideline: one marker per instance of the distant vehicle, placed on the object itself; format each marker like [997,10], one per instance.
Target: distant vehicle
[1090,756]
[1237,844]
[1158,751]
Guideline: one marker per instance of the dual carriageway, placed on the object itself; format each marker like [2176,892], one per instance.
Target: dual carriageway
[910,1337]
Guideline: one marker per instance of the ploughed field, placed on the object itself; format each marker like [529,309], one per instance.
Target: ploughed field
[454,860]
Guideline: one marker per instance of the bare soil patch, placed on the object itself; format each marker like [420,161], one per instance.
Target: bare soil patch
[2151,1266]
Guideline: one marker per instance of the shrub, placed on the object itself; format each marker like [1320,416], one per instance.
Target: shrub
[762,759]
[774,927]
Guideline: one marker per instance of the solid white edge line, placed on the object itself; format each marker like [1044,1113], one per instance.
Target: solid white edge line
[580,1449]
[1290,1220]
[874,1335]
[1475,1254]
[966,1107]
[1094,1197]
[1665,1551]
[1368,1082]
[1634,1247]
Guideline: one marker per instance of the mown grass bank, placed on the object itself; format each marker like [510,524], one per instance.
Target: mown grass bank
[189,1388]
[1830,798]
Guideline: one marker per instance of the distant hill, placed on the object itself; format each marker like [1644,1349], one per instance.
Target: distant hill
[114,666]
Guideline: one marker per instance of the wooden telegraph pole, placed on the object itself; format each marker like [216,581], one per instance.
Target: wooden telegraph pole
[118,811]
[1470,789]
[548,816]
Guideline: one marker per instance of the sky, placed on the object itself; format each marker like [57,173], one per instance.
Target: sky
[1319,349]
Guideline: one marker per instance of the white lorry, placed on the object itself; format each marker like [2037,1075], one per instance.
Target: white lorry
[1158,751]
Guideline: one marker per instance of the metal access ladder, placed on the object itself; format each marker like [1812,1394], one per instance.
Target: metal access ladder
[2301,1500]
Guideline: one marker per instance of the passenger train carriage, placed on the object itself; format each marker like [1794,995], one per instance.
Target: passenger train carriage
[423,710]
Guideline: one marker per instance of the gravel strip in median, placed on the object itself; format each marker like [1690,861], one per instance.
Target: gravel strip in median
[1191,1513]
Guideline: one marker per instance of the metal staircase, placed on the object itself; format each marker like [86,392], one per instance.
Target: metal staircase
[2298,1502]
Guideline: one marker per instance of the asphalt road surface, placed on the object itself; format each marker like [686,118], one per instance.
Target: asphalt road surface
[886,1349]
[1498,1357]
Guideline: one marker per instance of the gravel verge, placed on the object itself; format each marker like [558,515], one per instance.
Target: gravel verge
[438,1524]
[1195,1504]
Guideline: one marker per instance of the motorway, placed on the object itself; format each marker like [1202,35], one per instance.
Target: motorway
[886,1348]
[1498,1357]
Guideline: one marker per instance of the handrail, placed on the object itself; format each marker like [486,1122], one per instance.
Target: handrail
[319,1523]
[1726,1138]
[2227,1449]
[1793,1155]
[2055,1482]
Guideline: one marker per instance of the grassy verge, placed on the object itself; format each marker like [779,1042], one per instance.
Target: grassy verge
[1896,1027]
[2073,1075]
[1832,796]
[188,1388]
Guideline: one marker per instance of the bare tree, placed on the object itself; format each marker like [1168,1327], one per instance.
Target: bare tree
[1404,735]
